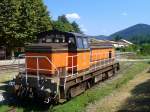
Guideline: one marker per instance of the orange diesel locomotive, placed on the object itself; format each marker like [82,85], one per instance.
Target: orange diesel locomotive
[61,65]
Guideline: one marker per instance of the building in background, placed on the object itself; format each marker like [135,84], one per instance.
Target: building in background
[6,54]
[117,44]
[122,43]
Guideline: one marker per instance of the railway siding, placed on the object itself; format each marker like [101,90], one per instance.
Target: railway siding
[12,62]
[9,66]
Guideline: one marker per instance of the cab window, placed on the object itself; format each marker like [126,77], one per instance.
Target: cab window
[71,42]
[80,43]
[85,43]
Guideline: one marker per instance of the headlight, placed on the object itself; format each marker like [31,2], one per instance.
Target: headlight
[48,90]
[52,81]
[11,83]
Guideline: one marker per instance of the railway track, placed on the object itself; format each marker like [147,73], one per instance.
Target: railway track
[123,68]
[10,68]
[6,67]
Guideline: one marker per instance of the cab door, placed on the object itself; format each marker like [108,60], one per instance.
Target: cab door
[72,55]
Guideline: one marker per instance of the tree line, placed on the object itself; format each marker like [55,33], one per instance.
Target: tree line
[21,20]
[143,49]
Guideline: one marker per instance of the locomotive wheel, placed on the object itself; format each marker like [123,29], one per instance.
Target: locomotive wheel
[106,75]
[56,100]
[68,94]
[88,85]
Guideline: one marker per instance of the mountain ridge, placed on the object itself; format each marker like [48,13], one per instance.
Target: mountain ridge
[135,30]
[131,33]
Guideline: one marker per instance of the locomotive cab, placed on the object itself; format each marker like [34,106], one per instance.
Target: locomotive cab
[63,50]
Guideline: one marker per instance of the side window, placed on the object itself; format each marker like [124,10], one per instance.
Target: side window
[110,54]
[48,40]
[43,40]
[80,43]
[52,39]
[85,43]
[56,40]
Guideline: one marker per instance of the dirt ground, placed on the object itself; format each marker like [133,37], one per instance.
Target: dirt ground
[132,97]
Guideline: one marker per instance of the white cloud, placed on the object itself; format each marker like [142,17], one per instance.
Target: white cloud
[73,16]
[124,14]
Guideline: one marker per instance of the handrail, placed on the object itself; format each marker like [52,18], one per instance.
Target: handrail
[38,69]
[72,65]
[102,62]
[37,63]
[46,59]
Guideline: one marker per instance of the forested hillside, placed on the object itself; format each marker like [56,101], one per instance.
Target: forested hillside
[137,34]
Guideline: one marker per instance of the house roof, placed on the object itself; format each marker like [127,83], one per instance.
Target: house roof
[125,41]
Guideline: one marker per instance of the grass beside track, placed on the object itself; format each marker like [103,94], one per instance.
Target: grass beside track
[79,103]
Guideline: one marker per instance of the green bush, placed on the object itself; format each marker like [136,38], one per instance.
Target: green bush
[143,49]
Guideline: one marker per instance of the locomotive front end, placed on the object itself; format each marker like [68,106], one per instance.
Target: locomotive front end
[41,88]
[44,60]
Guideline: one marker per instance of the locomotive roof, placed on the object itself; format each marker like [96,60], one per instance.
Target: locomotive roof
[61,32]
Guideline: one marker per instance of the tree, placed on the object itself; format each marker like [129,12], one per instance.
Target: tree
[58,25]
[76,27]
[63,19]
[34,18]
[63,24]
[65,27]
[7,19]
[21,20]
[8,23]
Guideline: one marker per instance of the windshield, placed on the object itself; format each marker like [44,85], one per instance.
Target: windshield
[52,39]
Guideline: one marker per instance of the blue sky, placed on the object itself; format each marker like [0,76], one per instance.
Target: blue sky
[101,17]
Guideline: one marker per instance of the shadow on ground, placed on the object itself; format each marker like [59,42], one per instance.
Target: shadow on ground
[11,103]
[140,99]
